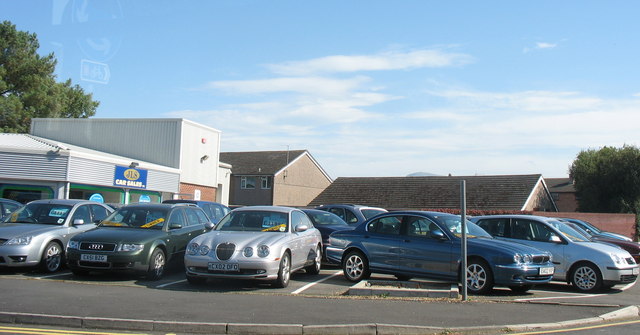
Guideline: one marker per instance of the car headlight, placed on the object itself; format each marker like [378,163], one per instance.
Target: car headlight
[130,247]
[24,240]
[192,248]
[247,252]
[617,259]
[73,245]
[263,250]
[519,258]
[204,249]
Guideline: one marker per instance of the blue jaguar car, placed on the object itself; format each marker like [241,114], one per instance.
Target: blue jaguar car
[427,244]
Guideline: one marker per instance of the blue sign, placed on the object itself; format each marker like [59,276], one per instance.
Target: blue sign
[144,198]
[125,176]
[97,197]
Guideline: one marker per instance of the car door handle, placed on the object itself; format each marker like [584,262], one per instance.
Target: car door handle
[408,241]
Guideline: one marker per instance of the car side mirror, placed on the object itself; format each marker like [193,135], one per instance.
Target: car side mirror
[302,227]
[78,222]
[175,226]
[209,225]
[555,239]
[437,234]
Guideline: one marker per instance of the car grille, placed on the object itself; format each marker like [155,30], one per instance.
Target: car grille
[97,246]
[241,272]
[224,251]
[540,259]
[628,278]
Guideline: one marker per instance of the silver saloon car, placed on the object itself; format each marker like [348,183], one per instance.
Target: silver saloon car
[256,242]
[36,234]
[588,266]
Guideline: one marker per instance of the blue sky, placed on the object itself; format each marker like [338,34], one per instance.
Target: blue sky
[370,88]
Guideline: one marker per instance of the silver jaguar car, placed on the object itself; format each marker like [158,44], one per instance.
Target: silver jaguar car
[37,233]
[257,242]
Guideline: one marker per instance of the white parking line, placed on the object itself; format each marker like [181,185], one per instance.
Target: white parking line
[55,275]
[575,295]
[168,284]
[316,282]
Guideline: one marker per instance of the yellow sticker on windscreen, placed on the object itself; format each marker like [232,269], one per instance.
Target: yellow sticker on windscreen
[152,223]
[282,227]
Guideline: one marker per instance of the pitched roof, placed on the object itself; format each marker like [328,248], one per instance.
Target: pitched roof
[259,162]
[506,192]
[560,185]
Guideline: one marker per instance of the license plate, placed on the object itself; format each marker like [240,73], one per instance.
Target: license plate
[93,258]
[224,266]
[636,271]
[546,271]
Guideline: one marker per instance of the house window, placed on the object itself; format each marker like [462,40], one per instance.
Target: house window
[266,182]
[247,183]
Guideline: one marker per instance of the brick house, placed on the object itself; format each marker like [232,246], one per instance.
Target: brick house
[563,193]
[283,178]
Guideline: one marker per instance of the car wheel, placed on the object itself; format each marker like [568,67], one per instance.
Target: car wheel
[157,263]
[51,257]
[356,266]
[479,277]
[314,268]
[284,272]
[196,280]
[586,277]
[520,289]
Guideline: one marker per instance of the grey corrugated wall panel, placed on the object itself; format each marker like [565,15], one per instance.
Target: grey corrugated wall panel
[92,172]
[163,181]
[151,140]
[33,166]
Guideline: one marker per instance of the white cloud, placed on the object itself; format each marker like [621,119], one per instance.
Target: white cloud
[543,45]
[379,62]
[305,85]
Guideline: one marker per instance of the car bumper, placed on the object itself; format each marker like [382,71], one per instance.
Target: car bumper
[518,275]
[334,255]
[19,255]
[115,262]
[259,269]
[613,276]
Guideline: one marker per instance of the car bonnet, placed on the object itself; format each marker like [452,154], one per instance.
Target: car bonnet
[21,229]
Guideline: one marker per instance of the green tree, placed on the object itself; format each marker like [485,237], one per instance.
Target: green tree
[28,87]
[607,180]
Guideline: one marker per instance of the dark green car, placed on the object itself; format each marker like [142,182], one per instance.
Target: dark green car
[141,238]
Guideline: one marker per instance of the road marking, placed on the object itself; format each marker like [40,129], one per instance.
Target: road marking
[315,282]
[579,328]
[171,283]
[574,295]
[54,275]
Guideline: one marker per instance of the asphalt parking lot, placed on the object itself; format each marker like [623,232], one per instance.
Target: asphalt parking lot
[329,283]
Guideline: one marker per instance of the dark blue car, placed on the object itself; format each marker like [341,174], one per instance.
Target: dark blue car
[326,223]
[427,244]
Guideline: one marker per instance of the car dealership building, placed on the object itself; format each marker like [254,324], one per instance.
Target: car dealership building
[113,161]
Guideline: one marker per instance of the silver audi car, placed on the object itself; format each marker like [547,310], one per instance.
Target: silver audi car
[257,242]
[36,234]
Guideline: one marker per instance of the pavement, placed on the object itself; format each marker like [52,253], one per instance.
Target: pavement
[182,310]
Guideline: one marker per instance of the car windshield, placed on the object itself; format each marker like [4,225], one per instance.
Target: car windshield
[589,226]
[568,232]
[326,218]
[42,213]
[371,212]
[266,221]
[454,224]
[137,217]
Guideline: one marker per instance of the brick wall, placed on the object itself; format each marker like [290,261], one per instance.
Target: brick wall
[206,193]
[624,224]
